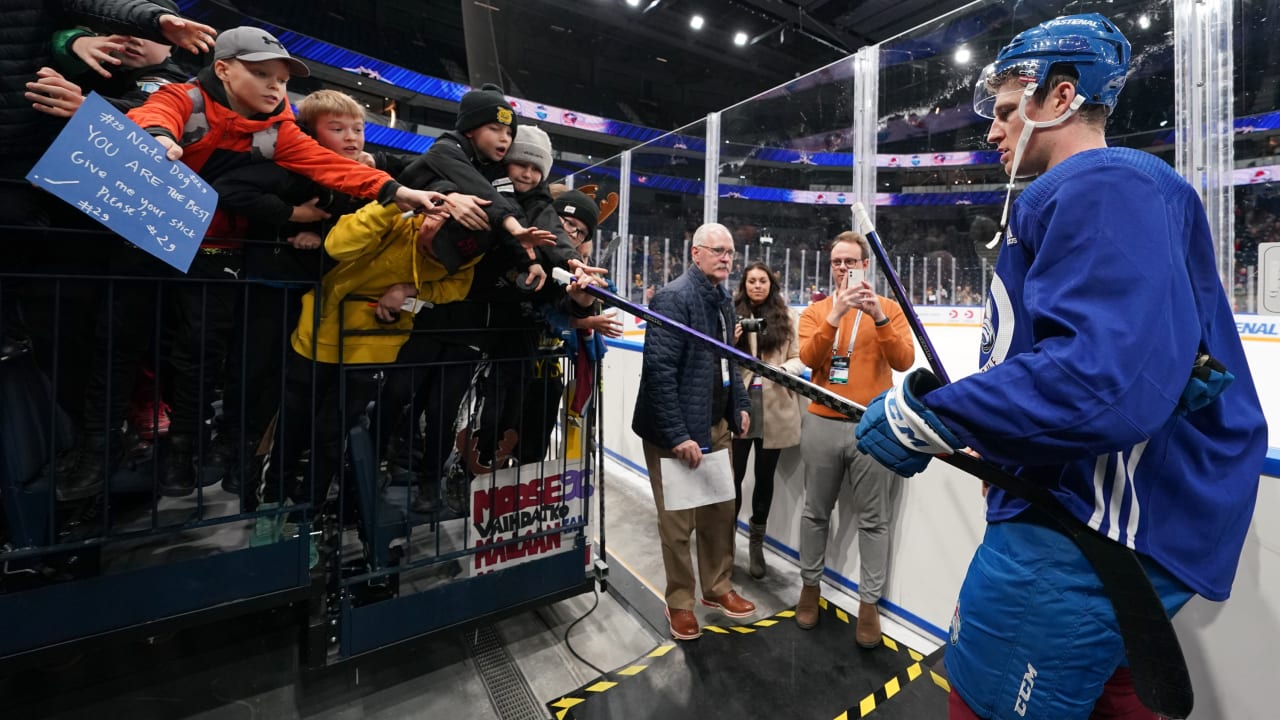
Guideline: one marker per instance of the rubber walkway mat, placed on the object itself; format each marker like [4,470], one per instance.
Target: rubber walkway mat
[767,669]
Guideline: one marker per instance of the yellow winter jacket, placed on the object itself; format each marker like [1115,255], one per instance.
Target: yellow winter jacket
[375,248]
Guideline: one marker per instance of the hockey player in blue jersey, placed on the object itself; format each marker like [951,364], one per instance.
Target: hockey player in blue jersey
[1104,303]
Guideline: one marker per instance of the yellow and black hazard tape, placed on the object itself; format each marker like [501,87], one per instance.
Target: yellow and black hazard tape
[564,704]
[895,684]
[865,707]
[884,694]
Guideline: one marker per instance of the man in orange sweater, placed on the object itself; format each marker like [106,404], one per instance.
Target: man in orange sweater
[853,340]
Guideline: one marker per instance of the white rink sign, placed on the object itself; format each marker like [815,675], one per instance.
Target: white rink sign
[521,503]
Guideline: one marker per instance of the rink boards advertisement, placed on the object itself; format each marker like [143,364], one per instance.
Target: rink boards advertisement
[521,502]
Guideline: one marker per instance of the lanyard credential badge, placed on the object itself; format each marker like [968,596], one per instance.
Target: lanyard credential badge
[839,371]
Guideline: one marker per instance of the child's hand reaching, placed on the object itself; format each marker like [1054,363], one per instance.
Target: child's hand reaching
[194,37]
[307,212]
[388,309]
[97,51]
[305,240]
[173,150]
[529,237]
[427,202]
[53,94]
[535,274]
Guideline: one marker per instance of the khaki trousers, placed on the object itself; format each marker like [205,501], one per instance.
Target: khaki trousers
[715,526]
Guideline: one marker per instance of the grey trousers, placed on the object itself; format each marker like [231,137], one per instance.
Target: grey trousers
[831,458]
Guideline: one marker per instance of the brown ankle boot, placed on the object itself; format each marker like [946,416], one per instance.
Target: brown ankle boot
[807,608]
[867,632]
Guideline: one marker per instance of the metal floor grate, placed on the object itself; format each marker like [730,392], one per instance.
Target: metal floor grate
[508,690]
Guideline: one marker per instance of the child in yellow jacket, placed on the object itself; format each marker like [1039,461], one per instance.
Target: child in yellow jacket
[381,254]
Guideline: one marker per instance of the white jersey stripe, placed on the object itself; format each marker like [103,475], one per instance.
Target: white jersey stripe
[1119,488]
[1135,512]
[1099,479]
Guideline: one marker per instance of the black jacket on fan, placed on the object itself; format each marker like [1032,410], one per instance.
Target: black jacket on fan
[26,27]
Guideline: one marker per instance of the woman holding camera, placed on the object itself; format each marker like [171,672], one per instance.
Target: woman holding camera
[767,331]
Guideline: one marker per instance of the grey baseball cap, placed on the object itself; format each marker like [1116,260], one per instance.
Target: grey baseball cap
[253,44]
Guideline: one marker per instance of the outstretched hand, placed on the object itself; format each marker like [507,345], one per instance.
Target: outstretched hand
[426,202]
[187,34]
[53,94]
[96,51]
[532,237]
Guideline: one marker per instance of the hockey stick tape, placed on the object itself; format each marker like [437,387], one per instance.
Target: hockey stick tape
[862,219]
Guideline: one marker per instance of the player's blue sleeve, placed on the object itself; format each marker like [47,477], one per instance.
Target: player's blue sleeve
[1113,328]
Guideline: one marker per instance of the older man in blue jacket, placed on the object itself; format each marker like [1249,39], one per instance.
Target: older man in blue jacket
[689,402]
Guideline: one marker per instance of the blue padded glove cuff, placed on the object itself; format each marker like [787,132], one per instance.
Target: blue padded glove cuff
[900,432]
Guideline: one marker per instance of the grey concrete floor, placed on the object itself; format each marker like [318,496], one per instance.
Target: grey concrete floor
[247,669]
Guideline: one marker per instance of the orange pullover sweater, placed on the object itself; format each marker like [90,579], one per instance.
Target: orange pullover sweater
[877,351]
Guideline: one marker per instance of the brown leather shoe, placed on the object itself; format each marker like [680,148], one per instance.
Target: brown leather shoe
[731,604]
[807,608]
[684,624]
[867,632]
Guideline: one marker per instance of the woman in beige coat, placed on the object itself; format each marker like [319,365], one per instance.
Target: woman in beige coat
[775,415]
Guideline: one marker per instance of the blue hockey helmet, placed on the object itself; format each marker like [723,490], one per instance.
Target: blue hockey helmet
[1090,43]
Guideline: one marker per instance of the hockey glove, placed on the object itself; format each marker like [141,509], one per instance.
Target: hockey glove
[900,432]
[1208,379]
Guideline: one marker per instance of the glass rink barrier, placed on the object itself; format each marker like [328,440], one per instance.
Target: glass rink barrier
[892,126]
[177,448]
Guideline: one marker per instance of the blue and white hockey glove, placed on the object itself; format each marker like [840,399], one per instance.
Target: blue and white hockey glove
[900,432]
[1208,379]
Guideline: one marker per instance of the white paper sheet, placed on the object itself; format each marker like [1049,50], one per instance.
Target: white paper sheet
[710,483]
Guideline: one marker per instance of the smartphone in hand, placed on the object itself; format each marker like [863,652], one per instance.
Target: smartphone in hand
[854,277]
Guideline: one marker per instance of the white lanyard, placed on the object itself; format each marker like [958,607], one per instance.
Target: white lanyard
[853,336]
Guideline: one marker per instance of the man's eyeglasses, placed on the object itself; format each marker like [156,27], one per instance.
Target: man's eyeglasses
[728,252]
[841,262]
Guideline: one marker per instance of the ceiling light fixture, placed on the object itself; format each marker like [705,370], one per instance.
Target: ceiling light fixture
[739,39]
[963,56]
[1144,22]
[695,22]
[633,3]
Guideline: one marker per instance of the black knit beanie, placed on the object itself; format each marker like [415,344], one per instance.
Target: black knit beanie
[486,105]
[574,204]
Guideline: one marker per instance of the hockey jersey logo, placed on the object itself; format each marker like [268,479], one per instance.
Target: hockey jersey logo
[998,324]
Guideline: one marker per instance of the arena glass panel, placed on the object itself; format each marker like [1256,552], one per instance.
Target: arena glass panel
[785,177]
[666,206]
[1256,177]
[940,189]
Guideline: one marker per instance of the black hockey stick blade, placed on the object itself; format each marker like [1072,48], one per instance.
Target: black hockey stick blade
[1160,677]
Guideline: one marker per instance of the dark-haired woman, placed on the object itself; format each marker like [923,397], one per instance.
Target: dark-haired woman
[775,416]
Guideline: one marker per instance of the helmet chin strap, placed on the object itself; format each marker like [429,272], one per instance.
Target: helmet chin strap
[1028,125]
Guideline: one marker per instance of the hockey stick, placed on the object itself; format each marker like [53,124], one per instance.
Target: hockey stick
[863,221]
[1160,676]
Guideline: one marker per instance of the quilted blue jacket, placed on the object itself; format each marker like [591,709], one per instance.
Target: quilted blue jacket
[679,379]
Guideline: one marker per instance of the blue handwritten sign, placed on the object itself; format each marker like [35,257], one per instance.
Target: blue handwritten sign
[116,173]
